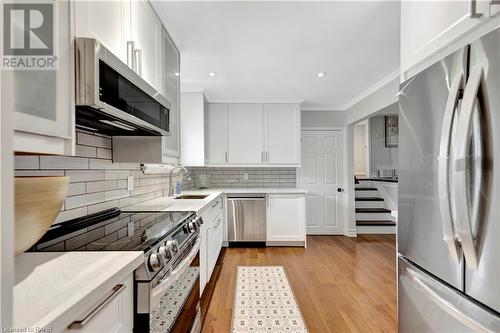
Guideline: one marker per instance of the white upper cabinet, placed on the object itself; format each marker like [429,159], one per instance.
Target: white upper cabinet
[246,133]
[428,27]
[193,119]
[217,133]
[43,100]
[282,133]
[171,90]
[146,32]
[106,21]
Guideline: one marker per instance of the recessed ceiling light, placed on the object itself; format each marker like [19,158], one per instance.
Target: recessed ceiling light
[212,74]
[177,74]
[321,74]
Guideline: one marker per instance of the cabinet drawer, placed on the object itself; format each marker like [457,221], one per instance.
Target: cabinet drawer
[212,211]
[113,312]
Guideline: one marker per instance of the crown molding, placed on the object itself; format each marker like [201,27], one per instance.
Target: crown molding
[257,100]
[385,80]
[321,108]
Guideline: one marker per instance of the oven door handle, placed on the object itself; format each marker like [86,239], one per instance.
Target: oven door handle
[177,272]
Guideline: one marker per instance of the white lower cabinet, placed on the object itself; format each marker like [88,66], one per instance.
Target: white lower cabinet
[286,219]
[212,236]
[112,313]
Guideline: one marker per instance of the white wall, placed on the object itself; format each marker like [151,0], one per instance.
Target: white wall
[379,153]
[381,98]
[323,118]
[360,150]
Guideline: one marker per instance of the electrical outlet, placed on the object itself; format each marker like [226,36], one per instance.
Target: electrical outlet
[245,176]
[130,183]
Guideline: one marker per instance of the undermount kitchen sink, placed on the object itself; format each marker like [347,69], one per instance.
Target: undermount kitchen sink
[192,196]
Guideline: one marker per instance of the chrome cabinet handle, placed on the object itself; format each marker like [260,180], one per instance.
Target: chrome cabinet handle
[262,157]
[79,324]
[131,54]
[463,225]
[226,157]
[217,225]
[443,168]
[138,60]
[267,157]
[215,205]
[473,9]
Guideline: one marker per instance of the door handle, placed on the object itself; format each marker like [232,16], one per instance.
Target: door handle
[473,9]
[463,225]
[131,54]
[138,60]
[443,168]
[340,189]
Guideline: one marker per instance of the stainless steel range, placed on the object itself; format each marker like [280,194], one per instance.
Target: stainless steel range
[166,286]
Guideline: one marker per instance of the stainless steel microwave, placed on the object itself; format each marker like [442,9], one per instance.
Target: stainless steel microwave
[113,99]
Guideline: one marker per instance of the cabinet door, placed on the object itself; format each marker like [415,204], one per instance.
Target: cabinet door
[286,218]
[171,90]
[42,100]
[106,21]
[217,128]
[246,133]
[445,21]
[146,32]
[282,133]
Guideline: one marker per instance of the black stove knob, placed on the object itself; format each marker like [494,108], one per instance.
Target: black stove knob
[154,262]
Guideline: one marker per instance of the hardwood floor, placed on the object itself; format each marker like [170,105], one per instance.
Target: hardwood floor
[341,284]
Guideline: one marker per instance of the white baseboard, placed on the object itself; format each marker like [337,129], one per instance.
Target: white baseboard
[350,232]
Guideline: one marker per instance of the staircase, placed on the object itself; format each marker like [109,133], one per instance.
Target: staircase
[372,216]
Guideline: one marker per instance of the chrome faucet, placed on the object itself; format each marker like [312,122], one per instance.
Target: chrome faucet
[171,184]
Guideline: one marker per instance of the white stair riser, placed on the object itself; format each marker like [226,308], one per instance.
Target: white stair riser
[376,229]
[370,204]
[364,184]
[374,217]
[364,194]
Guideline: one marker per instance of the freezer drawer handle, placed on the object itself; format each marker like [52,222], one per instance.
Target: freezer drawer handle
[443,168]
[447,306]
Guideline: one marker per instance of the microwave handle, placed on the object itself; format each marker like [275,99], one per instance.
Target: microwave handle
[177,272]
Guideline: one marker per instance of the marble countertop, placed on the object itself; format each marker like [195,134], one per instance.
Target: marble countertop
[169,204]
[52,288]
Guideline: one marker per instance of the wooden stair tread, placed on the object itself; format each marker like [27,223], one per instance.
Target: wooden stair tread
[372,210]
[375,223]
[365,189]
[369,199]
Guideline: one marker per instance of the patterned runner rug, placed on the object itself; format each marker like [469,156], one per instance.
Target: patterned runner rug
[264,302]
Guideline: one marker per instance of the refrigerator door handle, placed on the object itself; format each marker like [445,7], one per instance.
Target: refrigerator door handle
[463,225]
[443,168]
[450,306]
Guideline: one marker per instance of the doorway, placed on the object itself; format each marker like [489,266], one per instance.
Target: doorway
[322,175]
[362,149]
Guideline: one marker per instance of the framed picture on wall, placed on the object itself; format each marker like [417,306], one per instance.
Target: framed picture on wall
[391,131]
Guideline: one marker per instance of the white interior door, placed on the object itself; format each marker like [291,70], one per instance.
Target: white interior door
[321,173]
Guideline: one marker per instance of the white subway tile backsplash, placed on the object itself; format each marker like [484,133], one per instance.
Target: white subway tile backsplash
[93,140]
[85,151]
[102,206]
[76,189]
[116,174]
[104,153]
[100,164]
[84,200]
[106,185]
[116,194]
[71,214]
[41,173]
[84,175]
[26,162]
[63,162]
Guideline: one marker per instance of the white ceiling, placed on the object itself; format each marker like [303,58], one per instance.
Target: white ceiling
[273,50]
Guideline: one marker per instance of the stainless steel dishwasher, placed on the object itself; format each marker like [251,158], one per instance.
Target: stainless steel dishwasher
[246,219]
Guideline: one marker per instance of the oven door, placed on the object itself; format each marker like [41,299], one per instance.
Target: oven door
[175,299]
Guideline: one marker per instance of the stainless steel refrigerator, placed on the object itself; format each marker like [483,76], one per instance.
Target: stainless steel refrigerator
[449,193]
